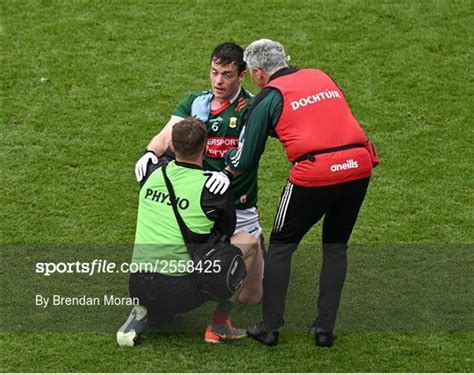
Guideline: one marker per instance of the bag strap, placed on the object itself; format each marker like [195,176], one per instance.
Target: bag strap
[312,155]
[182,225]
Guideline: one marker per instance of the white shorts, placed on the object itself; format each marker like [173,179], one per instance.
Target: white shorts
[248,221]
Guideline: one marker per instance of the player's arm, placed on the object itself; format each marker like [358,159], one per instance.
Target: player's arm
[160,142]
[157,147]
[261,121]
[191,105]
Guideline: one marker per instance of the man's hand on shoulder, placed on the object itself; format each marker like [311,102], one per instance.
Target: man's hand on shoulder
[142,164]
[218,182]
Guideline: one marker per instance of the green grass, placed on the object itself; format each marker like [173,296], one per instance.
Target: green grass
[113,72]
[366,352]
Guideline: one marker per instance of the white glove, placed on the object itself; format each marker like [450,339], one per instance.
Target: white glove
[201,107]
[218,182]
[142,164]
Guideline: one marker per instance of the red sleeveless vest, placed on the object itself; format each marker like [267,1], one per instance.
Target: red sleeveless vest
[316,117]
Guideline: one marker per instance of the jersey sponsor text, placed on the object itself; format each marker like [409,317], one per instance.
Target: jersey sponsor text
[218,146]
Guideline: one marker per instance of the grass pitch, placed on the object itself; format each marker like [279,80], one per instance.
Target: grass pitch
[85,85]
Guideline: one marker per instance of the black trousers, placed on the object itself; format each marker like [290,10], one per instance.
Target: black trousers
[300,208]
[164,296]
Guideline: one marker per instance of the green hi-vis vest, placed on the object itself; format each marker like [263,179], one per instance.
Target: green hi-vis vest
[159,245]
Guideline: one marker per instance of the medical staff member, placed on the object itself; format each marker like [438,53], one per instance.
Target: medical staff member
[332,164]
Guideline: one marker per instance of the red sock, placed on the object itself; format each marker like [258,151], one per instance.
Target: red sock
[222,311]
[220,317]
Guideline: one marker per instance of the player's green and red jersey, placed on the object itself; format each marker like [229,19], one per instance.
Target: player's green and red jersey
[223,129]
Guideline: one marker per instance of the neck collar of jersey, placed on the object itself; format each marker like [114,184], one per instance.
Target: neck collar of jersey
[227,104]
[282,72]
[234,98]
[187,165]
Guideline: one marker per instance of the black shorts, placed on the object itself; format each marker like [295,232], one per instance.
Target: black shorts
[165,296]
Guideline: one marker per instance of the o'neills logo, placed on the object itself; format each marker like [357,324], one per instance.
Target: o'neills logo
[315,98]
[349,164]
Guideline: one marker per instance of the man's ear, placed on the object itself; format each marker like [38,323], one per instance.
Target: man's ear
[242,75]
[172,147]
[260,73]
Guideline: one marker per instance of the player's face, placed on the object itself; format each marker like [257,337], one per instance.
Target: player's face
[225,80]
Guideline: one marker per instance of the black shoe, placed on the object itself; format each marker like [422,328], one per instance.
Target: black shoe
[324,339]
[269,338]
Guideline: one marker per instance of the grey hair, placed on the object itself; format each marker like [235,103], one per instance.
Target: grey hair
[265,54]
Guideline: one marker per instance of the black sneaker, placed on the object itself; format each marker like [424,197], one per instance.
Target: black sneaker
[324,339]
[269,338]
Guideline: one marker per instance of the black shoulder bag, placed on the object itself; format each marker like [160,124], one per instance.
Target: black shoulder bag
[219,264]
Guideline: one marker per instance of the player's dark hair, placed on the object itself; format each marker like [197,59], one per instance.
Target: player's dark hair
[228,53]
[189,137]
